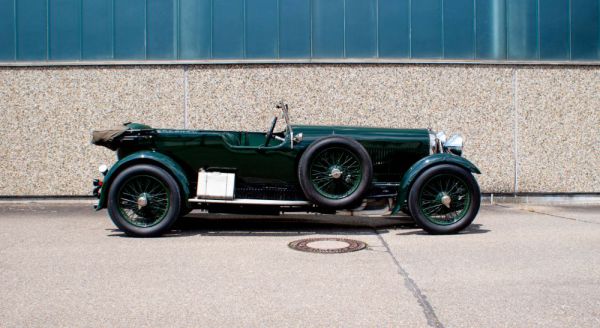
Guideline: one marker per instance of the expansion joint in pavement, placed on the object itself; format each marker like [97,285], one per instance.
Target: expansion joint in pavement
[432,319]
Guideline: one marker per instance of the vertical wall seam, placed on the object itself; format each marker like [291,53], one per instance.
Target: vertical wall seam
[178,30]
[278,49]
[212,27]
[570,29]
[474,29]
[244,28]
[114,30]
[409,28]
[312,55]
[539,32]
[515,129]
[48,54]
[344,49]
[80,29]
[443,33]
[506,18]
[146,29]
[16,35]
[376,28]
[186,96]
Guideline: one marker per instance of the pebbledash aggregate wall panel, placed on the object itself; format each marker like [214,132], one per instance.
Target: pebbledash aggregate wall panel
[109,30]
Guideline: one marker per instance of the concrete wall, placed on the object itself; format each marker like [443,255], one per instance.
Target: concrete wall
[529,129]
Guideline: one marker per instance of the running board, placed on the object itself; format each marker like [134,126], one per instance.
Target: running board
[251,202]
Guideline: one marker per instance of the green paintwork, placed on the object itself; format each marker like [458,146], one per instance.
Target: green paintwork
[145,156]
[420,166]
[244,152]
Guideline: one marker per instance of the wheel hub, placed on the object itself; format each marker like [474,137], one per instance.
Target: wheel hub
[142,201]
[336,173]
[445,199]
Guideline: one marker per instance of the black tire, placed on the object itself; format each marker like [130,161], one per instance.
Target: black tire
[146,221]
[405,211]
[425,200]
[360,164]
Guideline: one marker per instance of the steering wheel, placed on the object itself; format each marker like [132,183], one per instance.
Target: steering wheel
[270,133]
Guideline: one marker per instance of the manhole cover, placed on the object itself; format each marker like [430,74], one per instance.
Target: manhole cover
[327,245]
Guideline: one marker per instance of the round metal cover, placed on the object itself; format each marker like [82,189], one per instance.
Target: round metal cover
[327,245]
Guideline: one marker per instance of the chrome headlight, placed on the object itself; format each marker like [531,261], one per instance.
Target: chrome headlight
[455,144]
[103,169]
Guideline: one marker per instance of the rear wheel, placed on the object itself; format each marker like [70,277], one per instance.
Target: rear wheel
[444,199]
[335,172]
[144,201]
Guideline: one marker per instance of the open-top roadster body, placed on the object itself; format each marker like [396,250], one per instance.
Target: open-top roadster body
[162,174]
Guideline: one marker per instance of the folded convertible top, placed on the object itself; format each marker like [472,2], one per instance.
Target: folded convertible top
[109,138]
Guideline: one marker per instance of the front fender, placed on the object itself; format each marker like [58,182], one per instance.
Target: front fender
[145,157]
[423,164]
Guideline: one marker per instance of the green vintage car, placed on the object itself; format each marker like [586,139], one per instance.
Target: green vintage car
[163,174]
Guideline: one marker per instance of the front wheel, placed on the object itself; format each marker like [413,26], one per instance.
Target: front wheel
[444,199]
[144,201]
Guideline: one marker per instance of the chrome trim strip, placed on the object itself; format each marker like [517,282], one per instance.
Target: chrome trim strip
[300,61]
[250,202]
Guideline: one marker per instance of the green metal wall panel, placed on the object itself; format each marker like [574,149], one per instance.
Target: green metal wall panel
[361,28]
[394,30]
[64,29]
[228,29]
[426,29]
[7,30]
[32,30]
[490,29]
[555,34]
[195,29]
[584,30]
[97,35]
[522,29]
[294,29]
[262,24]
[328,28]
[130,29]
[161,29]
[459,31]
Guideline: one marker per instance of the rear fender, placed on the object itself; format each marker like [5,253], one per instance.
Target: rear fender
[145,157]
[423,164]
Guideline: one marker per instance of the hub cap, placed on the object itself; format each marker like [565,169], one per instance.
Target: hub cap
[143,201]
[336,173]
[445,199]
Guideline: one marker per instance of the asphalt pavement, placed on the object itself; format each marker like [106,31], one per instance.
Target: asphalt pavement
[64,265]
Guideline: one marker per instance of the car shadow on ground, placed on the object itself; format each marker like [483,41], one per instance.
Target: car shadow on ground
[203,224]
[474,228]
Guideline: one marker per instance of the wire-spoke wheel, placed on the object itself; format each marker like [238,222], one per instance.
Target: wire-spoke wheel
[335,172]
[144,200]
[444,199]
